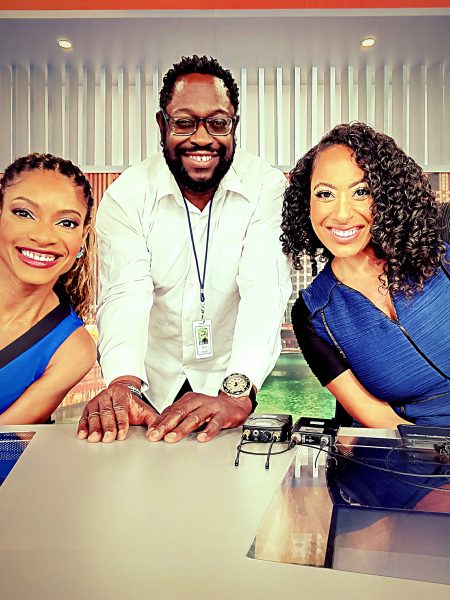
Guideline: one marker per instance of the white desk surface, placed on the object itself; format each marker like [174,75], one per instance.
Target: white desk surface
[142,520]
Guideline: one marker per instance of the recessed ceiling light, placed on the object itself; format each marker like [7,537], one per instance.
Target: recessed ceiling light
[66,44]
[368,42]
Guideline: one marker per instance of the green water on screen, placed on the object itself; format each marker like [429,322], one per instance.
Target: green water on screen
[292,388]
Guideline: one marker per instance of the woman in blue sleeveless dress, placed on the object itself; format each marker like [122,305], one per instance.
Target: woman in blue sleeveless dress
[374,325]
[46,285]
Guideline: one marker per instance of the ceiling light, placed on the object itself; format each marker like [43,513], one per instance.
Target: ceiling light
[368,42]
[66,44]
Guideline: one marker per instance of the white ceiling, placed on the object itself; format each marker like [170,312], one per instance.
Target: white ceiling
[268,38]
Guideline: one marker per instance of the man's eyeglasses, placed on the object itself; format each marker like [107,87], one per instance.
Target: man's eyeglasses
[189,125]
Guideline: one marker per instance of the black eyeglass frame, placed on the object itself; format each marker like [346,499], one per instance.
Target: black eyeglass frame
[198,120]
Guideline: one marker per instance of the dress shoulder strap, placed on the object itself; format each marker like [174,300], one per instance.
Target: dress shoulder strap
[35,334]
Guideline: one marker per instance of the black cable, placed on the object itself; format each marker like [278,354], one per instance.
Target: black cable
[245,443]
[405,446]
[239,448]
[336,455]
[377,468]
[269,451]
[321,448]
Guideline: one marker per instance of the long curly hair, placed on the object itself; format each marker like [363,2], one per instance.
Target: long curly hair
[405,233]
[197,64]
[78,283]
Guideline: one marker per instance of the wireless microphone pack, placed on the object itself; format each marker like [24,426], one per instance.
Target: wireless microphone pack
[312,431]
[267,428]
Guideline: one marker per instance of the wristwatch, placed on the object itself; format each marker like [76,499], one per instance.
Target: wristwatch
[237,385]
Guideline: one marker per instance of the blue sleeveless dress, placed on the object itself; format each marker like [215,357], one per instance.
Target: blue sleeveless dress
[405,362]
[24,361]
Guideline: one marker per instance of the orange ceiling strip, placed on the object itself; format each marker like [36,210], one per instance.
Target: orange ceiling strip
[215,4]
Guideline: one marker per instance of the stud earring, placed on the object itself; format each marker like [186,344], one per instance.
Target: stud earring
[80,253]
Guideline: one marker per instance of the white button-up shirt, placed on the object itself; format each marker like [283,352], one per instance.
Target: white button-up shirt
[150,292]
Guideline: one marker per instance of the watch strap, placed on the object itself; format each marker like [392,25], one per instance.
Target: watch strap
[252,396]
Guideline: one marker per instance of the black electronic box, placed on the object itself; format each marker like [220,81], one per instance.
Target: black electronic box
[311,431]
[267,428]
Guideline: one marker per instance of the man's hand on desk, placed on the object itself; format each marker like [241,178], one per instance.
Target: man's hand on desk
[108,416]
[193,410]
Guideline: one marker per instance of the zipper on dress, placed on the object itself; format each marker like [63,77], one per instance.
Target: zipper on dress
[422,354]
[334,340]
[395,321]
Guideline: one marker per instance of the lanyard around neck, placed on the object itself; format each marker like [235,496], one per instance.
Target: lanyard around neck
[201,280]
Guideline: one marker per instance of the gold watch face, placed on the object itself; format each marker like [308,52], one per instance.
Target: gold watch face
[236,385]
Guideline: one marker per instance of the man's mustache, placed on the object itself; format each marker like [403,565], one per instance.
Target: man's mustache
[221,152]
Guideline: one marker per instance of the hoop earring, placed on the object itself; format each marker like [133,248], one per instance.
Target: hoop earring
[80,253]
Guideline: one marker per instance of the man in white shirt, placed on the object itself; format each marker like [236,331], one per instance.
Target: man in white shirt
[193,280]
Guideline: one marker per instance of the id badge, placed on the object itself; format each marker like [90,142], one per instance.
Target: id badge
[203,338]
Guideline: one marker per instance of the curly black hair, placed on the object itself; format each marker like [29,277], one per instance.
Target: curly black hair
[197,64]
[78,283]
[405,233]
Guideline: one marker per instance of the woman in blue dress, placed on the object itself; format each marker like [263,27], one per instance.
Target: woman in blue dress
[374,325]
[46,285]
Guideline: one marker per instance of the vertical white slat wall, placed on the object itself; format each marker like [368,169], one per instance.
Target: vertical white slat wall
[436,131]
[151,126]
[71,139]
[106,119]
[138,118]
[296,112]
[55,113]
[6,152]
[446,110]
[38,116]
[353,104]
[400,105]
[261,112]
[20,112]
[279,122]
[89,116]
[314,108]
[334,99]
[243,104]
[417,116]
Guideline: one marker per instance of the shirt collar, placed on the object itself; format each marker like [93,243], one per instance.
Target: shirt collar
[167,185]
[232,182]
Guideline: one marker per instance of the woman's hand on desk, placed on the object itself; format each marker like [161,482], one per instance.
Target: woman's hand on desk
[108,416]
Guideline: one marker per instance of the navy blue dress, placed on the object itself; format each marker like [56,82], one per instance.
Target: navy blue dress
[405,362]
[24,361]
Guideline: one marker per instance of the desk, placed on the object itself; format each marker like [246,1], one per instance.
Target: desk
[141,520]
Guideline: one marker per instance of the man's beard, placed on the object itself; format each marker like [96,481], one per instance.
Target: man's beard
[186,182]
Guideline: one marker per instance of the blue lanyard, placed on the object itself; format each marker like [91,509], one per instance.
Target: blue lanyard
[201,280]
